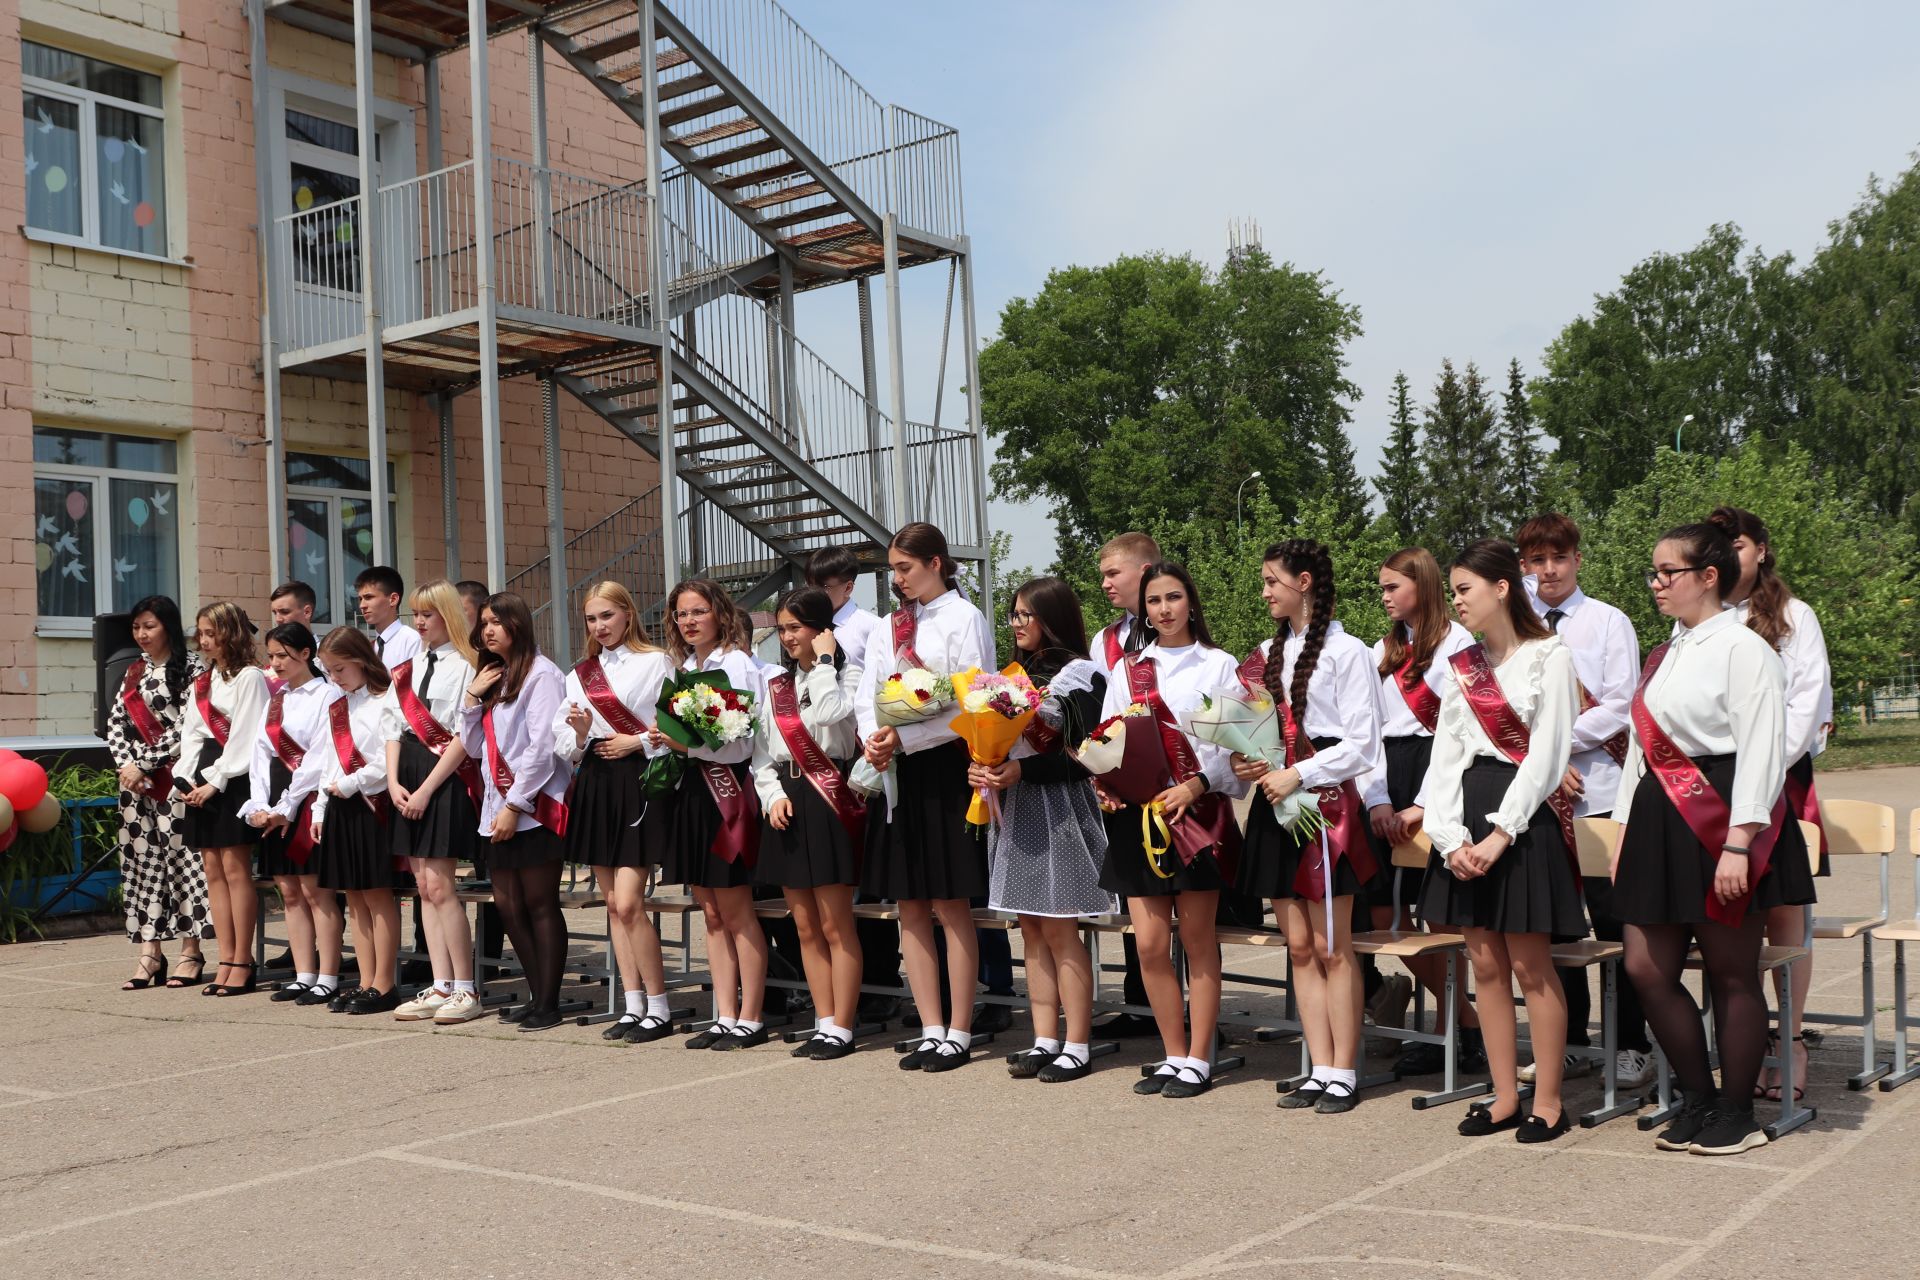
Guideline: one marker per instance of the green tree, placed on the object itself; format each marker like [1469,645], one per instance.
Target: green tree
[1520,451]
[1339,479]
[1405,498]
[1463,460]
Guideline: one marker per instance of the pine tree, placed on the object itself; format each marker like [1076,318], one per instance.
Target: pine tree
[1463,460]
[1404,493]
[1521,450]
[1339,478]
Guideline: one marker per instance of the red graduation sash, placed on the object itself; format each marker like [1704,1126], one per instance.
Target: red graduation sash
[146,724]
[347,751]
[1804,802]
[300,829]
[593,680]
[1208,822]
[217,724]
[818,767]
[1502,725]
[547,811]
[1112,635]
[739,834]
[1041,736]
[1700,806]
[1419,695]
[905,628]
[1616,746]
[431,732]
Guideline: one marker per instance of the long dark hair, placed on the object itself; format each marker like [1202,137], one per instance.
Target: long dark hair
[1063,627]
[351,644]
[810,607]
[295,637]
[1302,556]
[1495,560]
[926,543]
[511,612]
[1416,565]
[1767,602]
[1196,616]
[167,614]
[1710,546]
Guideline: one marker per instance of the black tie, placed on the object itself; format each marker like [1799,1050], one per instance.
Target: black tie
[380,645]
[426,684]
[1553,619]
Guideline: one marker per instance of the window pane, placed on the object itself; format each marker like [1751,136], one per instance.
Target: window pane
[309,557]
[57,65]
[138,453]
[133,198]
[75,448]
[356,542]
[330,134]
[144,528]
[53,164]
[63,548]
[326,251]
[123,82]
[323,471]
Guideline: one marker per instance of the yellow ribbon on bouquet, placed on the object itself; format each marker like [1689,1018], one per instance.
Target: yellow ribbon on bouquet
[1153,819]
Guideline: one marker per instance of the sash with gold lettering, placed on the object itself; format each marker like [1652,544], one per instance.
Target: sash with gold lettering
[1208,822]
[432,734]
[547,811]
[147,725]
[1502,725]
[815,764]
[347,751]
[217,724]
[593,679]
[299,835]
[1616,746]
[1700,806]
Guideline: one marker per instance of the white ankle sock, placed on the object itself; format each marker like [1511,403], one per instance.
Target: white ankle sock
[636,1001]
[1076,1050]
[838,1033]
[306,979]
[824,1027]
[1045,1044]
[962,1038]
[1347,1076]
[933,1031]
[1170,1067]
[657,1008]
[1199,1066]
[725,1024]
[749,1027]
[1323,1074]
[463,986]
[326,982]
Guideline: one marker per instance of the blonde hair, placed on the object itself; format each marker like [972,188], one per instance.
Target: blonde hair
[1134,546]
[443,598]
[620,598]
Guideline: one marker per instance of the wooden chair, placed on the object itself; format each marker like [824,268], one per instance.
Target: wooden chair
[1862,829]
[1903,1068]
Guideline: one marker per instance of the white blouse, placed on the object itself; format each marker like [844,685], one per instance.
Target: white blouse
[1721,690]
[396,644]
[441,697]
[371,720]
[951,636]
[853,629]
[1538,680]
[242,698]
[1396,717]
[1185,675]
[1809,679]
[826,709]
[524,730]
[635,679]
[303,719]
[1343,701]
[743,673]
[1606,657]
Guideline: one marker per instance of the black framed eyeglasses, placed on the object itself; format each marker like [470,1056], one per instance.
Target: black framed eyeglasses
[1665,577]
[1019,617]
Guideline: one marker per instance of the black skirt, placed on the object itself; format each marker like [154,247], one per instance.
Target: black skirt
[450,828]
[356,851]
[607,812]
[1665,875]
[274,845]
[925,852]
[1126,870]
[217,824]
[1531,889]
[689,858]
[1407,760]
[1271,857]
[815,849]
[534,847]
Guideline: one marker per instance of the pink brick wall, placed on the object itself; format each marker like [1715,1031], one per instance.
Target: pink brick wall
[17,604]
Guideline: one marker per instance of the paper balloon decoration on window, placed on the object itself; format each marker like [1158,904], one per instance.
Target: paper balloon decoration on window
[297,535]
[42,556]
[364,541]
[303,197]
[143,214]
[77,504]
[113,149]
[56,179]
[137,512]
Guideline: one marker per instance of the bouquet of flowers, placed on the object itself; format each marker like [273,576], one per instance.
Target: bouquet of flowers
[1104,750]
[994,711]
[1247,722]
[911,696]
[703,709]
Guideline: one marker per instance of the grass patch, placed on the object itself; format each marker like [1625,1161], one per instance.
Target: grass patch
[1871,746]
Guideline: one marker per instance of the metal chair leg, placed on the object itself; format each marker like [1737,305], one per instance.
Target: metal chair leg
[1871,1068]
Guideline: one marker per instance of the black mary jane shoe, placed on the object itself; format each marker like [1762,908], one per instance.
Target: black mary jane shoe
[1028,1063]
[706,1039]
[1147,1086]
[1338,1097]
[948,1057]
[1480,1122]
[1534,1129]
[289,991]
[829,1048]
[649,1029]
[247,988]
[316,995]
[344,997]
[1307,1095]
[806,1047]
[541,1020]
[1187,1083]
[619,1029]
[737,1038]
[916,1058]
[1076,1068]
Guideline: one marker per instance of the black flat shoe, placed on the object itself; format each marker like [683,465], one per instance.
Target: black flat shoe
[1480,1122]
[1075,1069]
[371,1001]
[989,1018]
[831,1049]
[738,1039]
[806,1047]
[289,991]
[1419,1060]
[916,1057]
[1187,1083]
[1337,1097]
[342,998]
[1307,1095]
[1534,1129]
[618,1031]
[1152,1084]
[316,995]
[948,1057]
[515,1012]
[541,1020]
[706,1039]
[649,1029]
[1028,1063]
[246,988]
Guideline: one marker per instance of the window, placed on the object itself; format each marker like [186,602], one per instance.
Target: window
[106,518]
[330,528]
[95,153]
[323,169]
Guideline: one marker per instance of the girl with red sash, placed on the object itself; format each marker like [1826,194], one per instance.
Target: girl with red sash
[713,843]
[1411,663]
[433,785]
[165,884]
[1504,870]
[216,747]
[351,811]
[1323,688]
[815,824]
[612,824]
[1763,603]
[506,724]
[1709,846]
[1047,847]
[288,768]
[1179,667]
[919,852]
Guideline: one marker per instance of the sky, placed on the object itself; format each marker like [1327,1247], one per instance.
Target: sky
[1469,176]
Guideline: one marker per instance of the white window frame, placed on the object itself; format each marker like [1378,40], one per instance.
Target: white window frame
[339,590]
[340,163]
[89,103]
[51,624]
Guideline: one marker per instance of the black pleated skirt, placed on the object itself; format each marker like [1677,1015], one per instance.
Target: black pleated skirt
[1125,869]
[815,849]
[689,858]
[450,828]
[1407,760]
[607,813]
[1272,857]
[1801,770]
[1665,875]
[1531,889]
[925,852]
[356,850]
[534,847]
[273,859]
[217,824]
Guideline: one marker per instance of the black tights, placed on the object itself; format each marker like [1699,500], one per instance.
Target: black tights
[1656,956]
[529,902]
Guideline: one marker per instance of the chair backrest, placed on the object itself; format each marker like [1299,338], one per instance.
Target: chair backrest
[1859,826]
[1415,853]
[1593,840]
[1810,833]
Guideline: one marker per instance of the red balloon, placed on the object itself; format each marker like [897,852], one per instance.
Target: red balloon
[6,755]
[23,783]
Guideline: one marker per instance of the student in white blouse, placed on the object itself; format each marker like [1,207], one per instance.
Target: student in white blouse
[612,823]
[807,849]
[1503,871]
[212,777]
[506,723]
[711,849]
[1718,694]
[280,810]
[1764,603]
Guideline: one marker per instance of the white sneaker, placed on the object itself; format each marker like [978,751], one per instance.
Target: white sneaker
[422,1007]
[461,1006]
[1573,1066]
[1632,1068]
[1388,1008]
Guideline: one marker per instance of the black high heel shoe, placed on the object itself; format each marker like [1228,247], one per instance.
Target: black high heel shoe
[246,988]
[181,979]
[149,975]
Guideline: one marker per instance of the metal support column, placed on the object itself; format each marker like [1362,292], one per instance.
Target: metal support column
[483,271]
[449,500]
[789,358]
[370,283]
[658,279]
[437,304]
[559,607]
[870,387]
[896,371]
[542,178]
[276,451]
[971,331]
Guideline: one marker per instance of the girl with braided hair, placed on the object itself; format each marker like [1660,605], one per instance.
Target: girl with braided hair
[1324,690]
